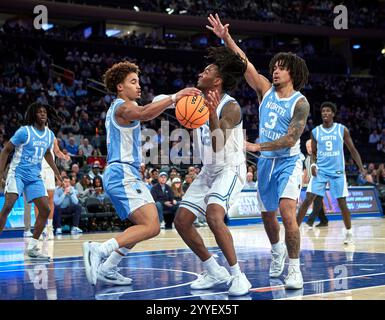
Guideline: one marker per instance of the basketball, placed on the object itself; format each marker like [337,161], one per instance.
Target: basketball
[191,111]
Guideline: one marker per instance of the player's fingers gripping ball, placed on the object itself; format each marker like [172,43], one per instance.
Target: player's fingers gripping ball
[191,111]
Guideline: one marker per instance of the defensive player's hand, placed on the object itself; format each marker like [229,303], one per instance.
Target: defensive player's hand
[212,101]
[314,171]
[187,92]
[253,147]
[220,30]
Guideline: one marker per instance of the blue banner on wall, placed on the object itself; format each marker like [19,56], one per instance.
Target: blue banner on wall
[16,216]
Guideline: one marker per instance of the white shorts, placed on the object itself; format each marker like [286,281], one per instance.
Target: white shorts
[219,186]
[48,177]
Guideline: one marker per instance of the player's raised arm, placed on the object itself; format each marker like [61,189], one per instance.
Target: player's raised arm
[353,151]
[130,111]
[255,80]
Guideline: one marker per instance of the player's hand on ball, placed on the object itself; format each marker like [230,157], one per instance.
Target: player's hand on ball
[188,92]
[220,30]
[212,101]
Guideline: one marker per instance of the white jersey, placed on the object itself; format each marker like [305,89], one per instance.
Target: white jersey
[233,152]
[44,164]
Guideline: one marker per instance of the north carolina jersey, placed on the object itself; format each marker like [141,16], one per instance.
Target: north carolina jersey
[123,142]
[232,153]
[275,115]
[330,149]
[30,148]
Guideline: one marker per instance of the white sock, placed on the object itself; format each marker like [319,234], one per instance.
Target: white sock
[106,248]
[112,261]
[277,246]
[235,269]
[294,263]
[348,231]
[32,242]
[211,265]
[49,222]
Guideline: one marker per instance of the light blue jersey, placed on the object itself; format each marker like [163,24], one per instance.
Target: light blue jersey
[24,173]
[330,149]
[275,115]
[30,148]
[123,142]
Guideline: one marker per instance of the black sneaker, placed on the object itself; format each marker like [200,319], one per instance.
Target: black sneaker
[310,224]
[322,224]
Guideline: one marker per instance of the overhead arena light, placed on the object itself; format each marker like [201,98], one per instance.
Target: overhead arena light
[136,8]
[183,12]
[47,26]
[383,51]
[112,32]
[356,46]
[169,10]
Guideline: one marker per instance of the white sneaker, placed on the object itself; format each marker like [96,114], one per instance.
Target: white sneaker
[113,276]
[207,280]
[163,225]
[35,254]
[92,260]
[277,262]
[58,231]
[27,234]
[348,237]
[50,235]
[239,285]
[76,230]
[294,279]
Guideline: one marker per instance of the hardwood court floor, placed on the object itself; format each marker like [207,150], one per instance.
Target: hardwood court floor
[331,269]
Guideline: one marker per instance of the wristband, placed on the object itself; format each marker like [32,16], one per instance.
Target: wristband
[314,165]
[173,98]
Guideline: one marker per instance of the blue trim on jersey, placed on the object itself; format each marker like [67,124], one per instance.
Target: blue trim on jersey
[227,196]
[194,206]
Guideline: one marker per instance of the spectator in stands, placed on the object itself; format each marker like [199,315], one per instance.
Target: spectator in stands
[67,202]
[86,148]
[98,190]
[84,189]
[154,175]
[63,163]
[250,183]
[95,171]
[73,180]
[374,137]
[188,179]
[164,199]
[177,190]
[72,147]
[75,171]
[197,170]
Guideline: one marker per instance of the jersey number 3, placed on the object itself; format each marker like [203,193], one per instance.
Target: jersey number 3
[273,120]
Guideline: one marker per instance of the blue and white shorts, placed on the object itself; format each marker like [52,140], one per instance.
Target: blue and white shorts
[33,189]
[126,190]
[337,184]
[214,185]
[278,178]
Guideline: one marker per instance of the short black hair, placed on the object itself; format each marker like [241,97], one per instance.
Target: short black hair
[231,66]
[330,105]
[296,66]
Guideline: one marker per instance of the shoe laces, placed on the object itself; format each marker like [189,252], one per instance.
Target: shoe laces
[234,279]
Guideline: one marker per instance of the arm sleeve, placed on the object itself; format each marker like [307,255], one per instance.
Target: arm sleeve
[20,136]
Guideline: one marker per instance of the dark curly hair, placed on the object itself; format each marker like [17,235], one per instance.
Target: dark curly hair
[117,73]
[231,66]
[30,114]
[296,66]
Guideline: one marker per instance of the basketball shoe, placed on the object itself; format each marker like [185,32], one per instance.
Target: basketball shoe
[207,280]
[112,275]
[277,264]
[92,260]
[294,279]
[240,285]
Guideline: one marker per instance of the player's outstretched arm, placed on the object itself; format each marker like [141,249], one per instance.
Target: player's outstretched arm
[313,158]
[353,151]
[130,111]
[255,80]
[58,152]
[8,148]
[294,132]
[48,157]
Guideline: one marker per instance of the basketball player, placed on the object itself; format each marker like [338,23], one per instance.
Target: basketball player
[31,143]
[121,179]
[328,165]
[48,177]
[223,174]
[283,111]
